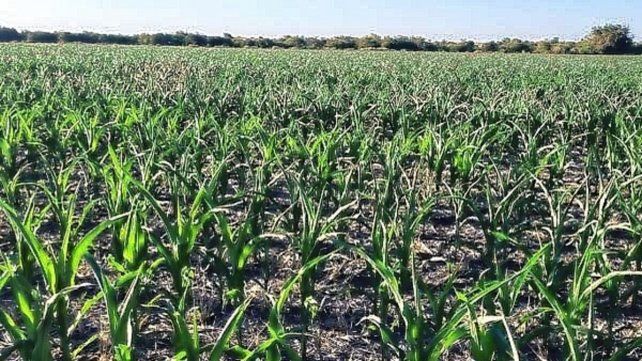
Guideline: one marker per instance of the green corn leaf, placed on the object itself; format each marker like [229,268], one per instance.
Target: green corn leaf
[85,243]
[186,348]
[387,275]
[171,229]
[22,298]
[110,297]
[225,229]
[612,275]
[264,347]
[288,287]
[233,324]
[11,327]
[167,254]
[563,317]
[37,248]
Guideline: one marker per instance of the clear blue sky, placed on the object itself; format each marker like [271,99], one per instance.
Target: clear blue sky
[434,19]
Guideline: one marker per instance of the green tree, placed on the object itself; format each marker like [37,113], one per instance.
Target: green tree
[508,45]
[562,48]
[369,41]
[402,43]
[84,37]
[220,41]
[542,47]
[265,43]
[195,40]
[118,39]
[463,46]
[9,34]
[342,42]
[489,47]
[312,42]
[290,41]
[41,37]
[610,39]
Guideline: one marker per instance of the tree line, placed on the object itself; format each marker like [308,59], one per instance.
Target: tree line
[606,39]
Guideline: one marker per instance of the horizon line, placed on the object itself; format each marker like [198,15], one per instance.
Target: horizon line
[436,38]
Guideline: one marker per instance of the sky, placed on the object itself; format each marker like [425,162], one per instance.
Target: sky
[433,19]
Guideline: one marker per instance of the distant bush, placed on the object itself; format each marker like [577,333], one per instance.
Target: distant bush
[463,46]
[562,48]
[489,47]
[85,37]
[401,43]
[9,34]
[241,42]
[342,42]
[265,43]
[290,41]
[610,39]
[163,39]
[542,47]
[508,45]
[607,39]
[41,37]
[315,43]
[117,39]
[369,41]
[195,40]
[220,41]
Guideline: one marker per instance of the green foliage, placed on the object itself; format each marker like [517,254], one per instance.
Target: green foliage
[370,41]
[607,39]
[41,37]
[9,35]
[342,42]
[610,39]
[508,45]
[232,203]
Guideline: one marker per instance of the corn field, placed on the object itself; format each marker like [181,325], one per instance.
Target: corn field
[243,204]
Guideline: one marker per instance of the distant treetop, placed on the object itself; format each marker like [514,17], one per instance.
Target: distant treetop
[606,39]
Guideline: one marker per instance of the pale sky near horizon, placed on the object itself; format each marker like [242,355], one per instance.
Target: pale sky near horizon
[433,19]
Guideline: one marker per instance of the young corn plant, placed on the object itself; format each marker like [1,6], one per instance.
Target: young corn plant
[30,334]
[237,246]
[468,147]
[384,226]
[121,313]
[486,344]
[576,311]
[133,242]
[316,227]
[88,132]
[59,265]
[16,135]
[423,338]
[10,184]
[277,346]
[186,339]
[132,267]
[382,237]
[182,232]
[560,203]
[260,195]
[434,148]
[502,221]
[33,220]
[413,217]
[119,192]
